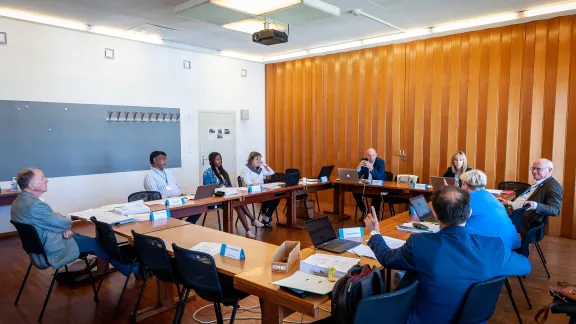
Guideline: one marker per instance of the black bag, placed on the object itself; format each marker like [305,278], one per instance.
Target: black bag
[357,284]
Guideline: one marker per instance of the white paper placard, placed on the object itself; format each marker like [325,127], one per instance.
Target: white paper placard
[178,201]
[254,189]
[353,232]
[161,214]
[377,182]
[232,252]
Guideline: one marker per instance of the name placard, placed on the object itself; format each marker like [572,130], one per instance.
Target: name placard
[377,182]
[254,189]
[323,179]
[420,186]
[353,232]
[233,252]
[161,214]
[178,201]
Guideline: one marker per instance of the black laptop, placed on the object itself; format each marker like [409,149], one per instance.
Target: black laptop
[326,171]
[292,179]
[324,236]
[422,209]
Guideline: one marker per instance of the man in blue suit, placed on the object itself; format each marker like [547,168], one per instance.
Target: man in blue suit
[489,217]
[370,168]
[446,263]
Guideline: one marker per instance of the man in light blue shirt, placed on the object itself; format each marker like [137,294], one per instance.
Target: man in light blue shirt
[489,217]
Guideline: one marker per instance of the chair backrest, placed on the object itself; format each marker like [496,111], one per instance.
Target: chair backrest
[389,176]
[518,187]
[292,171]
[145,195]
[407,178]
[240,182]
[396,305]
[31,242]
[198,271]
[152,253]
[107,238]
[278,177]
[480,301]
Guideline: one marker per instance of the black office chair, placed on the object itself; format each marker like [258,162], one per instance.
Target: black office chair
[299,197]
[391,201]
[535,234]
[397,306]
[145,195]
[32,244]
[155,260]
[518,187]
[218,214]
[480,301]
[125,254]
[199,274]
[278,177]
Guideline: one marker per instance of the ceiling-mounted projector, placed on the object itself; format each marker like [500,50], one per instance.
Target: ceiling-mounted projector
[270,37]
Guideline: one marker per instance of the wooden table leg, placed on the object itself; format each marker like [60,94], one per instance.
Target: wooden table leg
[291,209]
[272,313]
[164,301]
[227,217]
[336,200]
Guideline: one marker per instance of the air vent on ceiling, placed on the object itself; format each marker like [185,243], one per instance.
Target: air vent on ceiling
[305,12]
[151,29]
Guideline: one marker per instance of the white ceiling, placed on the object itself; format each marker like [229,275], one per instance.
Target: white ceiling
[406,14]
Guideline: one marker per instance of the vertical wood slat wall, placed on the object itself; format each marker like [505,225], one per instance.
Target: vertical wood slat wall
[505,96]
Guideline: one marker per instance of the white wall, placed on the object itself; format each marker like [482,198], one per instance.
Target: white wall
[49,64]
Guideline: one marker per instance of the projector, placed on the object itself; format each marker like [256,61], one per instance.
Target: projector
[269,37]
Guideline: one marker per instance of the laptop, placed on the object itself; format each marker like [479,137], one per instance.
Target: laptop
[438,182]
[349,175]
[292,179]
[422,209]
[324,236]
[206,191]
[326,171]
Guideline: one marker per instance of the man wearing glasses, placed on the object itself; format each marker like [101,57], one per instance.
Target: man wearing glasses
[544,198]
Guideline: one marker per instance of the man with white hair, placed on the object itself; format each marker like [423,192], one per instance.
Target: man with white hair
[370,168]
[544,198]
[489,217]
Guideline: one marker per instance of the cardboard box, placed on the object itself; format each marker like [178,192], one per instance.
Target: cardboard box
[287,255]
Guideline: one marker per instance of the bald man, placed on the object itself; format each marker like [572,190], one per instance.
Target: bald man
[371,168]
[544,197]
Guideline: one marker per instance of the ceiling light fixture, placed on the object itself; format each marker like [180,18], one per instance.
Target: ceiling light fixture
[42,19]
[336,47]
[256,7]
[549,9]
[393,37]
[251,26]
[475,22]
[285,56]
[242,56]
[148,38]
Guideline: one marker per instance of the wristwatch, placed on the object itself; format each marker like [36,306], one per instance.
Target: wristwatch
[374,232]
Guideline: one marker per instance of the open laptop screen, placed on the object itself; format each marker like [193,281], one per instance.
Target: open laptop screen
[422,209]
[320,230]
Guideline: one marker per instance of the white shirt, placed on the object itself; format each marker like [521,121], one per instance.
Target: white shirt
[523,198]
[163,182]
[250,178]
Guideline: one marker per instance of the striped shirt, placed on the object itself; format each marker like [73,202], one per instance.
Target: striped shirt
[161,181]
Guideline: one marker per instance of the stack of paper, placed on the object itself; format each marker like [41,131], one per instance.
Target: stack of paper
[273,185]
[228,191]
[363,250]
[207,247]
[131,208]
[409,227]
[155,202]
[319,264]
[103,216]
[393,243]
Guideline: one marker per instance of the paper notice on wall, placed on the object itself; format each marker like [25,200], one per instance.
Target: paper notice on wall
[220,133]
[211,133]
[227,134]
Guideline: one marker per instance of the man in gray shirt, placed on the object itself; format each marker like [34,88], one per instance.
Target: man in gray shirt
[62,246]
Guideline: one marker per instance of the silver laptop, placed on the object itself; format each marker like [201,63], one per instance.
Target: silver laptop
[439,182]
[349,175]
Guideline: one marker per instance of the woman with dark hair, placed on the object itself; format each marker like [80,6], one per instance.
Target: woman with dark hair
[253,174]
[216,174]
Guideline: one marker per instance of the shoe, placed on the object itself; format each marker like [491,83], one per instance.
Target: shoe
[250,235]
[256,223]
[268,222]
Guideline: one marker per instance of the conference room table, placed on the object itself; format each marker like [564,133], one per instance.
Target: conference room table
[7,197]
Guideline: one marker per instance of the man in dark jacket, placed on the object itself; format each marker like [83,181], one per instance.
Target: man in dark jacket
[370,168]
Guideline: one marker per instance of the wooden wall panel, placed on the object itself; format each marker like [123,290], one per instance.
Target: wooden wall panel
[504,95]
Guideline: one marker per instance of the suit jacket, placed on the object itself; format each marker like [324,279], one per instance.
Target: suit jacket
[549,199]
[446,264]
[29,209]
[450,174]
[378,173]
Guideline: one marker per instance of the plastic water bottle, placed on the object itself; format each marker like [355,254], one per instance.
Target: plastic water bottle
[14,185]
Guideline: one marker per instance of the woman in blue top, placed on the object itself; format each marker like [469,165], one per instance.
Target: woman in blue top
[216,174]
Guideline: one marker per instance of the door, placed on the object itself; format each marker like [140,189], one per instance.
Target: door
[217,133]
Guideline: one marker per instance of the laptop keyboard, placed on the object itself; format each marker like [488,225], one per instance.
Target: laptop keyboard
[339,244]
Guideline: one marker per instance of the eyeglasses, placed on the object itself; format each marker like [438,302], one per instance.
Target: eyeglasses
[538,169]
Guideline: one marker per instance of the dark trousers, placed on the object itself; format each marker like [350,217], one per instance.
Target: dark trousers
[268,207]
[376,202]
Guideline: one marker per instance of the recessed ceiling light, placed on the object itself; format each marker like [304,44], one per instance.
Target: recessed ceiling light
[393,37]
[251,26]
[476,22]
[285,56]
[242,56]
[42,19]
[549,9]
[336,47]
[256,7]
[148,38]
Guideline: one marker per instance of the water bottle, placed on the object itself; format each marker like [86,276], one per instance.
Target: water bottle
[14,185]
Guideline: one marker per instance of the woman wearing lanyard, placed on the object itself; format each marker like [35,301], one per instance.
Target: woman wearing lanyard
[216,174]
[253,174]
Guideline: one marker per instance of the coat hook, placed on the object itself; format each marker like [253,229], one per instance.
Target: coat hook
[118,116]
[150,116]
[178,117]
[110,112]
[142,114]
[171,115]
[127,114]
[164,117]
[157,116]
[134,116]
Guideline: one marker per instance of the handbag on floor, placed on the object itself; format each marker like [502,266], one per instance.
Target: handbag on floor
[564,294]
